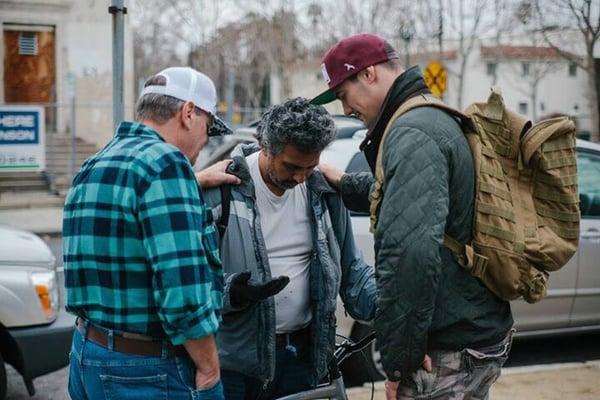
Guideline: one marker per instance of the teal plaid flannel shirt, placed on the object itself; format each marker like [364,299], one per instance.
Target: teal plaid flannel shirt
[140,248]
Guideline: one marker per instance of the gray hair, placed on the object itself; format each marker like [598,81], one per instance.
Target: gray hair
[305,126]
[157,107]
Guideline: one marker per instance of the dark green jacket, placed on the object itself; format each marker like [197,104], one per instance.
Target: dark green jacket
[426,300]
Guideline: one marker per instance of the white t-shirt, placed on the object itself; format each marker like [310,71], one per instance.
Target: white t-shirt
[286,229]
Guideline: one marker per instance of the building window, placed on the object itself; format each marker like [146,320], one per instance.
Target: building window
[523,108]
[572,69]
[542,107]
[28,44]
[525,69]
[492,67]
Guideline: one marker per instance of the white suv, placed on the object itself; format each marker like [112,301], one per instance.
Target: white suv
[35,331]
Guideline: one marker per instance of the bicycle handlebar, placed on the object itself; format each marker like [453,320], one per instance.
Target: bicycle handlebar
[347,347]
[361,344]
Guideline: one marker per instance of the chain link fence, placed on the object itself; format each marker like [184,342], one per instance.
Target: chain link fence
[74,131]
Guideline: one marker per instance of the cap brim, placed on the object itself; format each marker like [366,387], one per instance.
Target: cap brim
[219,128]
[326,97]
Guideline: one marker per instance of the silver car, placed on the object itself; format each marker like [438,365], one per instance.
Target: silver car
[35,330]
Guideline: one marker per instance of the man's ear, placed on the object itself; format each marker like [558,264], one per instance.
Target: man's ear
[369,74]
[187,113]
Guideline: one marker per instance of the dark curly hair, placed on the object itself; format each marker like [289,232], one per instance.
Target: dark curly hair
[306,126]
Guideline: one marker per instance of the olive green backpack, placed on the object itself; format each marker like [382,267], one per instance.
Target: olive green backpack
[526,221]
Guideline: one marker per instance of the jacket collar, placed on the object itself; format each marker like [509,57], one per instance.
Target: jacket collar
[408,84]
[239,167]
[316,182]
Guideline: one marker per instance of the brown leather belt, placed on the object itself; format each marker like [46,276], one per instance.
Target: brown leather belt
[300,337]
[140,347]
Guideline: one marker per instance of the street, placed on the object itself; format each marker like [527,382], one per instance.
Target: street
[568,349]
[525,352]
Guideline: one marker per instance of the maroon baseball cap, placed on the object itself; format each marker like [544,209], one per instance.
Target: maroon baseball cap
[347,58]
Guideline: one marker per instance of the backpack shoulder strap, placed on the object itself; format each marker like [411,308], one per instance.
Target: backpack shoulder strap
[225,206]
[422,100]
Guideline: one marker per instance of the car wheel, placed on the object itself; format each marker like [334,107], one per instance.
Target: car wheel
[364,366]
[2,379]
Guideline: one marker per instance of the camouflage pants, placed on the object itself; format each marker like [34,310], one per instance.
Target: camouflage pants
[458,375]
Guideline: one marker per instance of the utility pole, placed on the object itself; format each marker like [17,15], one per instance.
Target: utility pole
[72,85]
[407,31]
[441,28]
[229,95]
[118,11]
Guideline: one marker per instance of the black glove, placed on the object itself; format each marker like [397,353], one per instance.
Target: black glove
[243,292]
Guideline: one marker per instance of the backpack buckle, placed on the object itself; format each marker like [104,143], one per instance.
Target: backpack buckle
[473,262]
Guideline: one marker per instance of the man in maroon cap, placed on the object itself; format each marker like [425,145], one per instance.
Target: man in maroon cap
[442,334]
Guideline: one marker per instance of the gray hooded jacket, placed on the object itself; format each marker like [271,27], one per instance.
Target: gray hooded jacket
[246,338]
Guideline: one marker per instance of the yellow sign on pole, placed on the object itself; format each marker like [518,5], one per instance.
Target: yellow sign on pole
[436,78]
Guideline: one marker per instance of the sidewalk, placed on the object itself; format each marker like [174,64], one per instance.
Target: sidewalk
[43,220]
[579,381]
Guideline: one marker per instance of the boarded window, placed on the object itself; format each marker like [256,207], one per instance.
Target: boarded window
[28,44]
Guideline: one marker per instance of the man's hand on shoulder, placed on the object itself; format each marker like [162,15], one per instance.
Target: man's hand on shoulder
[215,175]
[332,174]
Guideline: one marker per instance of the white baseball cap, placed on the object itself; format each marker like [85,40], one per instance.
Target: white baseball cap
[187,84]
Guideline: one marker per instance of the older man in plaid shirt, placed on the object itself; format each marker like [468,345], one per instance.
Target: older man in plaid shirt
[142,268]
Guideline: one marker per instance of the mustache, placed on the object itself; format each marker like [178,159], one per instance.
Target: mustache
[285,185]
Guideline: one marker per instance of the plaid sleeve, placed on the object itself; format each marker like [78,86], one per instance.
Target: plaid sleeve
[180,247]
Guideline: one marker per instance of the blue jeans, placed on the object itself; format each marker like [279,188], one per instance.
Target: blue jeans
[293,373]
[97,372]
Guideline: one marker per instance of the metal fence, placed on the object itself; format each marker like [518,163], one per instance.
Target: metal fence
[76,130]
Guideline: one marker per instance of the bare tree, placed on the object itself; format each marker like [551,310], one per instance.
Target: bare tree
[468,22]
[153,43]
[505,22]
[250,50]
[583,17]
[530,71]
[341,18]
[165,31]
[230,40]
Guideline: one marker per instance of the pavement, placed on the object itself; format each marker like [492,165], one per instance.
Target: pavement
[42,220]
[580,381]
[575,381]
[30,199]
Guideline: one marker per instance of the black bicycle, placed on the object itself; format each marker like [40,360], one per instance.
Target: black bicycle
[334,388]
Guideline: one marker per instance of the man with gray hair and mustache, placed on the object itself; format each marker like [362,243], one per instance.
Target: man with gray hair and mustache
[285,221]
